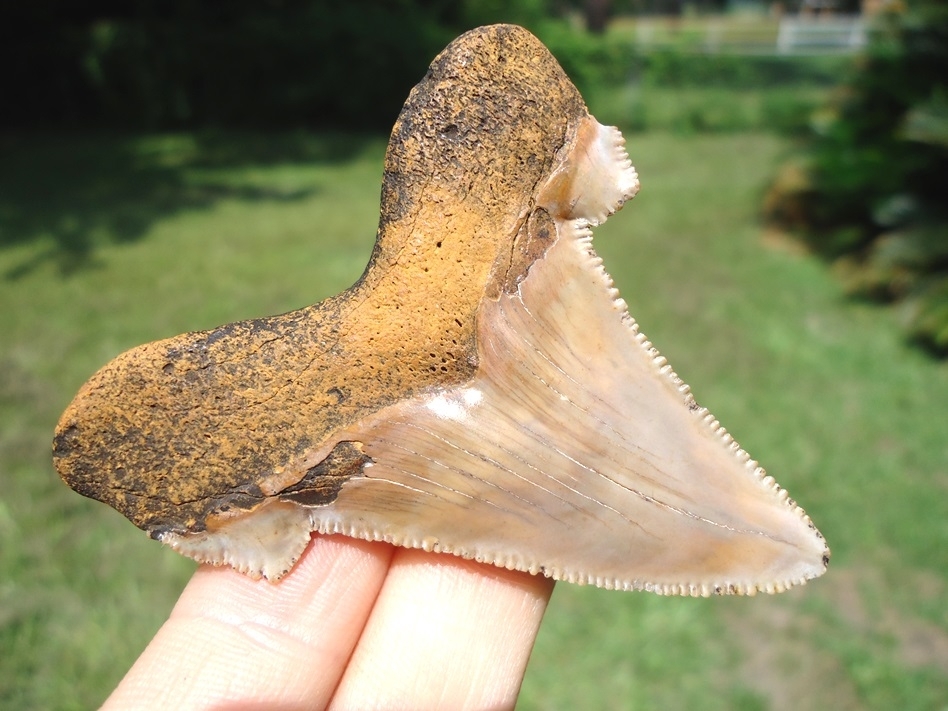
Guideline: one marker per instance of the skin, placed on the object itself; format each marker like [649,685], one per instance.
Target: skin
[354,625]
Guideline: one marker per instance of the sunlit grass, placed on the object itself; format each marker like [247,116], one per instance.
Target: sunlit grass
[106,243]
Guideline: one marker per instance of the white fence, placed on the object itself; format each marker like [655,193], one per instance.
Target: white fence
[791,34]
[820,34]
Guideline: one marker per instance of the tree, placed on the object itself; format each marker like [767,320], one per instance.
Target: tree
[871,195]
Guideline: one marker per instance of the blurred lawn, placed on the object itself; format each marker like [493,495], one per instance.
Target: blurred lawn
[107,242]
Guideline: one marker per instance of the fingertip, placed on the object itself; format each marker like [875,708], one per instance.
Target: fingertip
[445,632]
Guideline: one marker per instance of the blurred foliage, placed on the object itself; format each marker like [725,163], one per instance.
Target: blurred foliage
[160,64]
[726,92]
[289,64]
[870,194]
[81,72]
[171,64]
[688,68]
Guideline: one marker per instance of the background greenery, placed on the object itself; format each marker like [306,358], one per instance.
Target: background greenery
[111,239]
[869,193]
[158,65]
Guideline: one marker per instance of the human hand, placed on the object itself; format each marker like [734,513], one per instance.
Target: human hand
[355,625]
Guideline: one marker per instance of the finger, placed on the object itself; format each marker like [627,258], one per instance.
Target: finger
[235,642]
[445,633]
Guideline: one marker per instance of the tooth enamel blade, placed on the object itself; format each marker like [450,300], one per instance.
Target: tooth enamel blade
[579,454]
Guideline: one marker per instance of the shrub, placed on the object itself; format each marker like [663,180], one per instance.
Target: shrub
[671,67]
[152,64]
[872,193]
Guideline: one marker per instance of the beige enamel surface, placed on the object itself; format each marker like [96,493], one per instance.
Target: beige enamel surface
[576,453]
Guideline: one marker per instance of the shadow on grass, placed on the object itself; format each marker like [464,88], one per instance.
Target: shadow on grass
[73,193]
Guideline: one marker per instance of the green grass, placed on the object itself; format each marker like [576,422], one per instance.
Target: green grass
[109,242]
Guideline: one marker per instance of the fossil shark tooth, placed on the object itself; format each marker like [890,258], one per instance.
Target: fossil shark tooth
[481,391]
